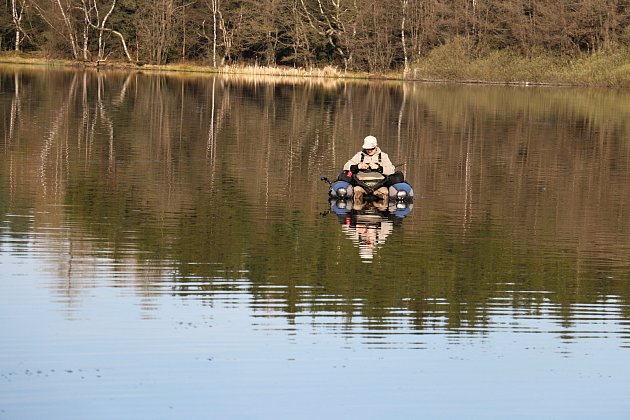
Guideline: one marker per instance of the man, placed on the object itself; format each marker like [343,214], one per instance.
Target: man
[368,236]
[370,158]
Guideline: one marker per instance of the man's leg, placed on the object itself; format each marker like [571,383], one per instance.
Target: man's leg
[383,195]
[359,192]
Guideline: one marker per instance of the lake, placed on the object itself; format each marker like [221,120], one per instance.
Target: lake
[168,250]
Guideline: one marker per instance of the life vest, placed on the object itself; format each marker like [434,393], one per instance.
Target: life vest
[379,157]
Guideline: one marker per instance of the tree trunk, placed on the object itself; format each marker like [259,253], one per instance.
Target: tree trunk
[101,47]
[86,38]
[17,20]
[215,11]
[405,3]
[72,37]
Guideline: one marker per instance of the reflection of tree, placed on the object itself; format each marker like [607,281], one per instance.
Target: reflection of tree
[217,119]
[15,116]
[53,155]
[162,171]
[15,112]
[103,114]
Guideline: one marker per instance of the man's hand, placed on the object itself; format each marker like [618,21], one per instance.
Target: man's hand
[374,166]
[363,166]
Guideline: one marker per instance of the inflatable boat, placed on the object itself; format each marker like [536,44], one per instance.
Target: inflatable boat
[370,181]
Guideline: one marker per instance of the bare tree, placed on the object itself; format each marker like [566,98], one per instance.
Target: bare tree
[65,8]
[373,35]
[215,6]
[93,19]
[404,7]
[17,13]
[155,23]
[375,42]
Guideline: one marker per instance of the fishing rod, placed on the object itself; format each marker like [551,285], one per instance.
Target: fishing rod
[326,180]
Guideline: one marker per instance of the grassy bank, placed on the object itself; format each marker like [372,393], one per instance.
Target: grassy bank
[459,61]
[191,67]
[453,62]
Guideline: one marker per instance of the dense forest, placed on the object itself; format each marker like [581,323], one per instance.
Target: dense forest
[354,35]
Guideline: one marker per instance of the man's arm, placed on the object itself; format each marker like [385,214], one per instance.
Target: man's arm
[388,166]
[353,164]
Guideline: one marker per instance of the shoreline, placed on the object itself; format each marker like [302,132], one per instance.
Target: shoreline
[326,72]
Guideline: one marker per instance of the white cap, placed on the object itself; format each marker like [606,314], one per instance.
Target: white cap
[369,142]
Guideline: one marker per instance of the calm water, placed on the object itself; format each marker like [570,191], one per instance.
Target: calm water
[167,250]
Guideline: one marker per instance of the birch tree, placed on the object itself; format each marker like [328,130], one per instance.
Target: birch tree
[65,8]
[93,19]
[404,7]
[17,12]
[215,7]
[328,20]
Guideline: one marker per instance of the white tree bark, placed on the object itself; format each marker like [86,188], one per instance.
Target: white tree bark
[215,11]
[405,3]
[86,35]
[215,7]
[17,11]
[72,37]
[101,26]
[91,7]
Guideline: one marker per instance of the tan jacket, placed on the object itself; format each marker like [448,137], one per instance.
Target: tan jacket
[379,157]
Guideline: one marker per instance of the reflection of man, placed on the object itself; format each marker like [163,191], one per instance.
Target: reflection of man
[370,158]
[368,236]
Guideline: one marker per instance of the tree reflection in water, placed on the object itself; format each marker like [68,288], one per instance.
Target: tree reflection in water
[527,188]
